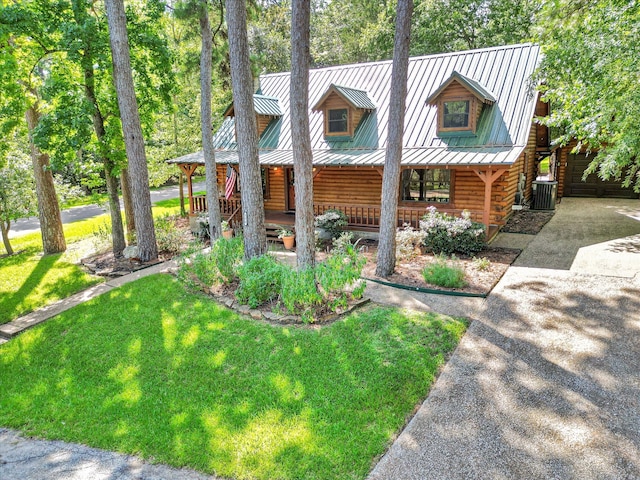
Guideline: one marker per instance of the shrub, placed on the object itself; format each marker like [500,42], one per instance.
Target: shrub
[196,268]
[300,293]
[101,236]
[408,240]
[260,280]
[333,221]
[482,263]
[339,271]
[168,236]
[226,255]
[447,234]
[443,274]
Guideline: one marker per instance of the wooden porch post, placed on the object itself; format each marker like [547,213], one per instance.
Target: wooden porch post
[188,169]
[488,177]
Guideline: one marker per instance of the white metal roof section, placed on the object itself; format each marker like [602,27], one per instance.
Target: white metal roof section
[501,135]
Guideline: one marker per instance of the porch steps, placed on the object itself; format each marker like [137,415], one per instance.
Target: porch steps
[272,232]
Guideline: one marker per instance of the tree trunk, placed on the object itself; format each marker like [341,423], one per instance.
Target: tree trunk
[132,130]
[4,227]
[183,212]
[213,204]
[391,176]
[127,199]
[302,155]
[117,229]
[255,240]
[48,209]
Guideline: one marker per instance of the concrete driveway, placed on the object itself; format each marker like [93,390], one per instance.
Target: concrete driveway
[546,382]
[589,235]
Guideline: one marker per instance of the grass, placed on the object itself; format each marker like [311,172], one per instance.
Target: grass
[175,202]
[544,166]
[29,280]
[153,370]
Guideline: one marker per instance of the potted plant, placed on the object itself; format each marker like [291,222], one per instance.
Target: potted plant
[227,231]
[287,236]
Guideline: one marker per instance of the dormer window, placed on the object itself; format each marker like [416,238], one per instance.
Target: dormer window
[459,100]
[343,108]
[338,121]
[266,108]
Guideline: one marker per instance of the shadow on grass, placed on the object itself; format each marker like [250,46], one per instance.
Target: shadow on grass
[10,305]
[153,370]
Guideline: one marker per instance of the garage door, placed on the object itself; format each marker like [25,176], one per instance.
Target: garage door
[593,186]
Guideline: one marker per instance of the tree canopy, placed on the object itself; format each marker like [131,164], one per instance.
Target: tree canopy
[590,77]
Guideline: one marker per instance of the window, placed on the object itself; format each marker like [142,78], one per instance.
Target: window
[455,114]
[337,122]
[425,185]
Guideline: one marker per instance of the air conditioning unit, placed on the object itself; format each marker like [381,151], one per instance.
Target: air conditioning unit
[544,195]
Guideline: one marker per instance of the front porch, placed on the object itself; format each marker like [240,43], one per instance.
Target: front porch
[364,218]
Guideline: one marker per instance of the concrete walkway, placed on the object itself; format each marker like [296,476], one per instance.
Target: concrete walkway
[545,384]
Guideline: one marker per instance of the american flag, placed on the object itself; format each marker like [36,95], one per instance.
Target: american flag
[230,184]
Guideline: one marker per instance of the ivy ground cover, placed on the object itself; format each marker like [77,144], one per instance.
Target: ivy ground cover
[153,370]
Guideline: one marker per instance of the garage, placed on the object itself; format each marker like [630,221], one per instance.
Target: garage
[593,186]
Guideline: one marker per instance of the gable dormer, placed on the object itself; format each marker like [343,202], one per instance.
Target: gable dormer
[266,108]
[459,101]
[343,108]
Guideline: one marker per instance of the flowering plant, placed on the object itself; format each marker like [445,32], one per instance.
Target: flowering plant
[448,234]
[333,221]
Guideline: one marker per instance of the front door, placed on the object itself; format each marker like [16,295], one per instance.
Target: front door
[290,193]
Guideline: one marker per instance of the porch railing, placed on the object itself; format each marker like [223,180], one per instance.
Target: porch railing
[230,209]
[359,216]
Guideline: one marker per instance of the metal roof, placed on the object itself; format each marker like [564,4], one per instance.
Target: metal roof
[262,105]
[501,133]
[475,88]
[357,98]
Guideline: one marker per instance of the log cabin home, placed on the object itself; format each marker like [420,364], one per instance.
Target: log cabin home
[470,140]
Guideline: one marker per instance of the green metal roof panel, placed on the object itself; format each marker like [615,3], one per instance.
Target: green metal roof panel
[264,105]
[357,98]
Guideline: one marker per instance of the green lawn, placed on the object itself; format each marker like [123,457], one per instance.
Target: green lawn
[29,280]
[153,370]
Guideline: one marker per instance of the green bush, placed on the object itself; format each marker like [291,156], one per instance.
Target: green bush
[300,293]
[169,238]
[443,274]
[227,255]
[447,234]
[220,264]
[197,269]
[260,280]
[339,271]
[263,279]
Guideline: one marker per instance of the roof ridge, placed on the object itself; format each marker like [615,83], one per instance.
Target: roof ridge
[411,59]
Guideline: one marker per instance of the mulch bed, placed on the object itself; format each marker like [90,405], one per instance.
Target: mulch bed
[479,280]
[528,222]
